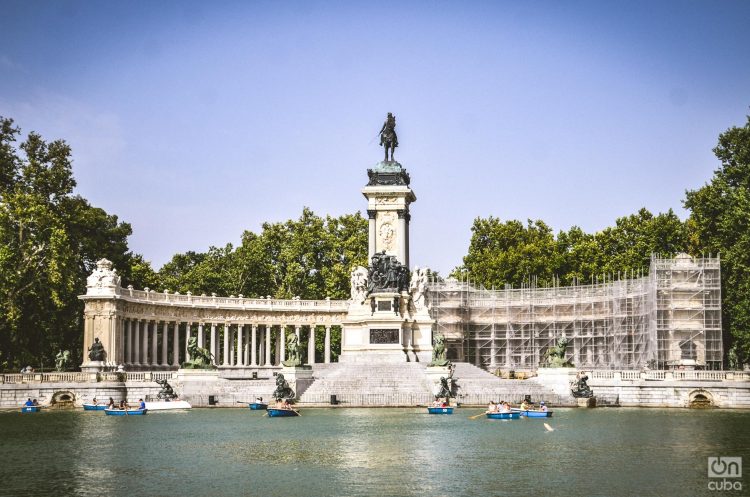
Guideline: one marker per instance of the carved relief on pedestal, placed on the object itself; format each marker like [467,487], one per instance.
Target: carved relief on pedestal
[386,232]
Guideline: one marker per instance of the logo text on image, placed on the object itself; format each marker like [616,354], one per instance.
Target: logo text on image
[725,467]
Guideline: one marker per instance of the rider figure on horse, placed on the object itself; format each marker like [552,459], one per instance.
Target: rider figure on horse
[388,138]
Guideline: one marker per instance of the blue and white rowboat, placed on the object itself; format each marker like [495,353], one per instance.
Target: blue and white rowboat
[258,406]
[503,415]
[30,409]
[94,407]
[440,410]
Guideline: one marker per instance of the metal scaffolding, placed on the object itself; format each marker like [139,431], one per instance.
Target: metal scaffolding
[670,318]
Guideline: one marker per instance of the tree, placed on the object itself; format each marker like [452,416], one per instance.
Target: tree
[50,240]
[720,223]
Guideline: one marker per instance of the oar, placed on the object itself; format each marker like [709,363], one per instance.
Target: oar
[298,413]
[480,414]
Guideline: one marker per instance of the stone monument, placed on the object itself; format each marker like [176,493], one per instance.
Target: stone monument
[388,319]
[101,349]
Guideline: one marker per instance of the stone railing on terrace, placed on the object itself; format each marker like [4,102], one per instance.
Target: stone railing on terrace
[240,302]
[74,377]
[680,375]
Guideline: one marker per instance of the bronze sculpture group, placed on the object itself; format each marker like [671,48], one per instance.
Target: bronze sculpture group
[388,138]
[200,358]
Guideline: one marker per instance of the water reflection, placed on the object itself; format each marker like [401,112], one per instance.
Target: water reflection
[223,452]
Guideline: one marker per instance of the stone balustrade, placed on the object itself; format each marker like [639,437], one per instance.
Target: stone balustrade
[675,375]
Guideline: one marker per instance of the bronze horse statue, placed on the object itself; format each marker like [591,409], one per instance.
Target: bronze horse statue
[388,138]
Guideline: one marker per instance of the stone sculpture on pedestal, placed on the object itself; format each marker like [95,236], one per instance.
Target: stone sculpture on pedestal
[283,391]
[556,355]
[200,358]
[96,351]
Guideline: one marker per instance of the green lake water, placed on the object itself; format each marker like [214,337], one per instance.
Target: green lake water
[368,452]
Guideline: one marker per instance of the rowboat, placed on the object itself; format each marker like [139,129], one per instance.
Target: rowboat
[123,412]
[257,406]
[533,413]
[537,414]
[280,413]
[167,405]
[503,415]
[31,408]
[94,407]
[440,410]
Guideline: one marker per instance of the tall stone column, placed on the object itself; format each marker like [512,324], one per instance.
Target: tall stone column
[254,345]
[327,352]
[282,339]
[137,343]
[214,349]
[261,347]
[144,343]
[129,353]
[246,348]
[201,340]
[154,344]
[268,347]
[240,345]
[176,344]
[371,249]
[164,343]
[311,346]
[225,359]
[402,253]
[232,347]
[187,339]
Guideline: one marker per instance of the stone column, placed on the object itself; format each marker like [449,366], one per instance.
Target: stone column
[176,344]
[268,347]
[164,343]
[246,348]
[129,353]
[232,347]
[200,335]
[187,339]
[240,347]
[311,346]
[371,249]
[254,345]
[402,237]
[144,343]
[154,344]
[327,352]
[282,338]
[137,343]
[225,359]
[214,349]
[261,355]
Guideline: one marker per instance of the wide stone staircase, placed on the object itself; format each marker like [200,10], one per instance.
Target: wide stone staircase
[401,384]
[407,384]
[477,386]
[227,393]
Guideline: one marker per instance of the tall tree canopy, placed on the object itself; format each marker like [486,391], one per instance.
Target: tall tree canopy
[50,240]
[720,222]
[310,258]
[511,253]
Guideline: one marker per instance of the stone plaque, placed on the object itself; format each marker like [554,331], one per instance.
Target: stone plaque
[384,305]
[384,336]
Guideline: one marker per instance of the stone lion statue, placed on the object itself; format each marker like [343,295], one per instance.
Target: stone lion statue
[439,354]
[556,355]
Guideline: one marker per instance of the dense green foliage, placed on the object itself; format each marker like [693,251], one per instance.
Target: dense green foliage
[310,258]
[720,222]
[511,253]
[50,240]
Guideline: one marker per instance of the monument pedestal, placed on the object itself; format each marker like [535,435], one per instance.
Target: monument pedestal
[434,373]
[299,378]
[587,402]
[92,367]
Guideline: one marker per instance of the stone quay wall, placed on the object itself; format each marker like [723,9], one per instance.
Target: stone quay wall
[722,389]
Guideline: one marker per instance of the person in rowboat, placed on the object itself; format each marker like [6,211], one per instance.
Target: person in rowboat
[94,401]
[35,402]
[525,405]
[141,405]
[124,405]
[111,404]
[542,406]
[28,403]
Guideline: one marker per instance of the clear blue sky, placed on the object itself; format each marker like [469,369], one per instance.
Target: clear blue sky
[194,121]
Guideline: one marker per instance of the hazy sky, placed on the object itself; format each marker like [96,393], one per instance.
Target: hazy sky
[194,121]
